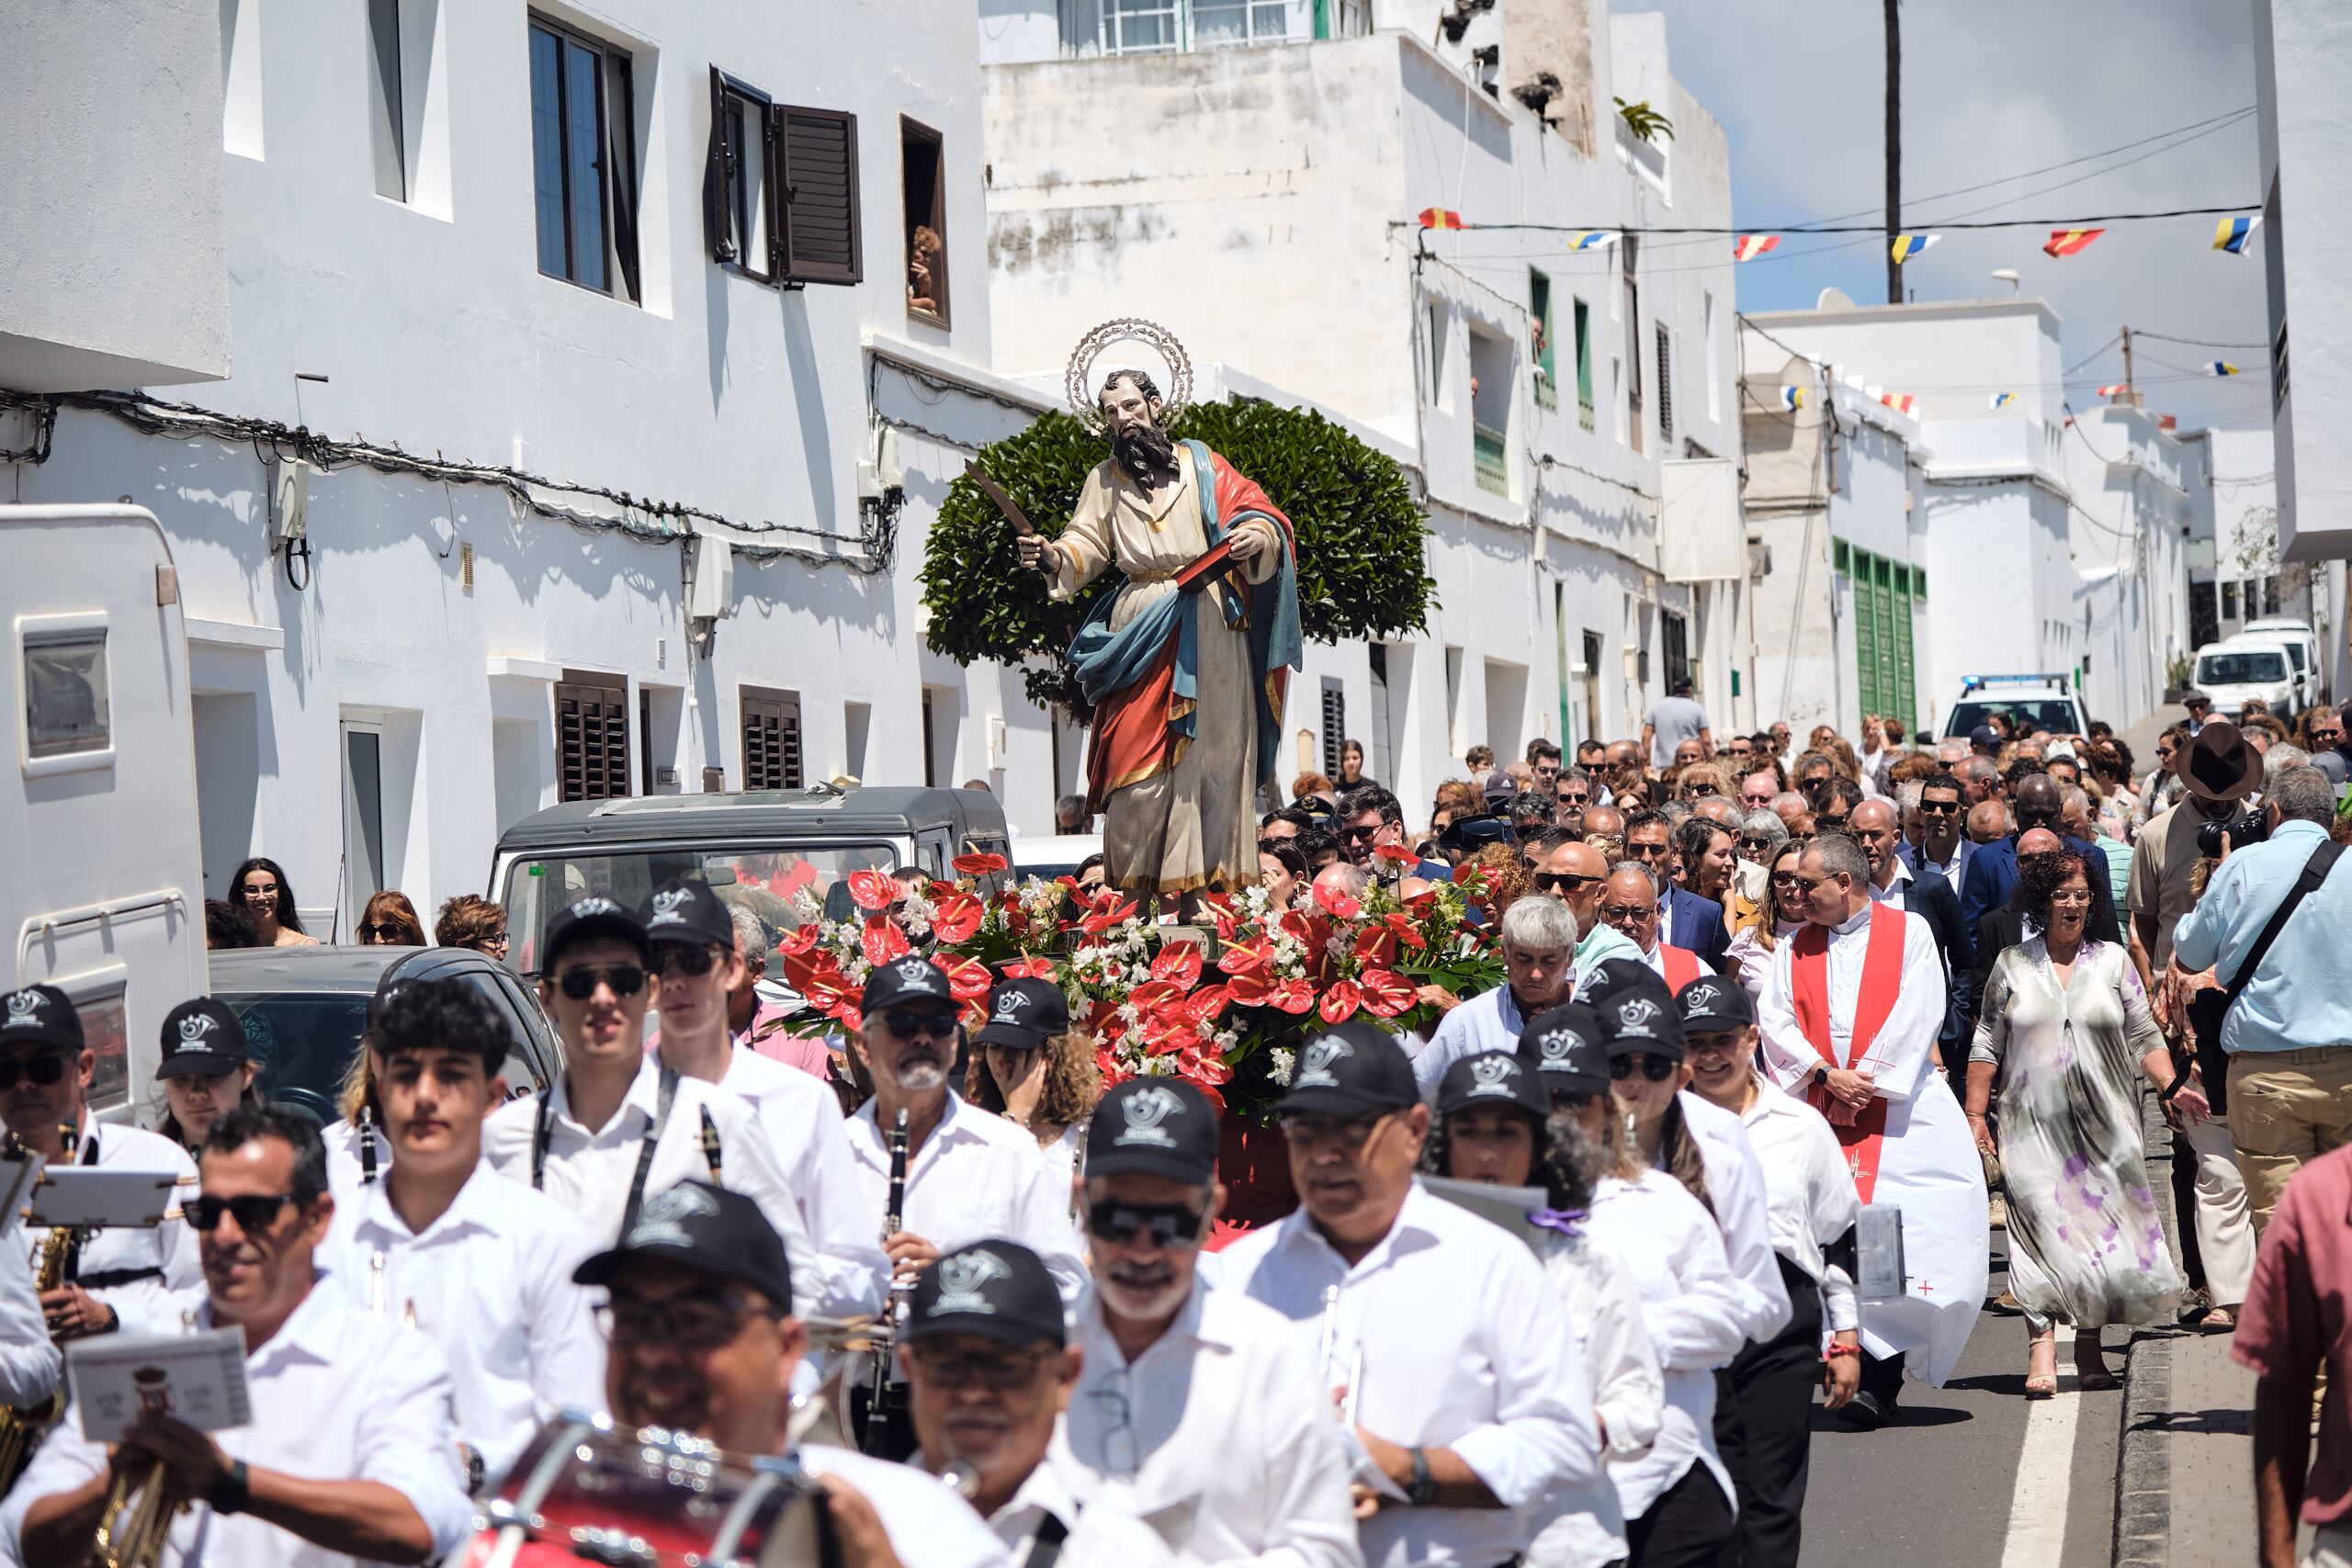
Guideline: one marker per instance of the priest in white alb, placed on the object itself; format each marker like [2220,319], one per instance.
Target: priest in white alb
[1848,1018]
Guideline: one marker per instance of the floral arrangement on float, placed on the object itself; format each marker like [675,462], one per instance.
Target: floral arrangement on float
[1227,1013]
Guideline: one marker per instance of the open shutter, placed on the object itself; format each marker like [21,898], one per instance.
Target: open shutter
[816,179]
[1335,726]
[718,189]
[592,737]
[620,163]
[771,738]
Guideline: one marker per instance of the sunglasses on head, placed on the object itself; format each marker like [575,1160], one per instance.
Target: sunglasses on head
[626,980]
[254,1211]
[1170,1225]
[43,1070]
[698,959]
[1657,1069]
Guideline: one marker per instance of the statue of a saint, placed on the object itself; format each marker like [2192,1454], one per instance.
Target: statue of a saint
[1188,663]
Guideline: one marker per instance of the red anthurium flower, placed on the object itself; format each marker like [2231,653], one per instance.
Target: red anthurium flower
[1180,962]
[1407,932]
[1108,1065]
[1376,945]
[1209,1001]
[805,970]
[1340,1002]
[845,1013]
[1030,969]
[1396,853]
[1223,1234]
[797,941]
[1106,914]
[1387,993]
[1151,993]
[955,916]
[873,889]
[1251,990]
[882,939]
[979,865]
[1243,958]
[1337,903]
[968,979]
[1205,1068]
[1294,996]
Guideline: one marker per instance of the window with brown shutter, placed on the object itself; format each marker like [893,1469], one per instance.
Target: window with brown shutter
[590,736]
[739,201]
[771,737]
[816,170]
[923,175]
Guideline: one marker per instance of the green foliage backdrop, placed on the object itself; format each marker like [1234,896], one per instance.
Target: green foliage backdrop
[1361,571]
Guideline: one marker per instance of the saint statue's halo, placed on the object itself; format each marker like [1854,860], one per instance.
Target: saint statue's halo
[1078,382]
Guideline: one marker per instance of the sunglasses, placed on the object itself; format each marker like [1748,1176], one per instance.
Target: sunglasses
[1560,881]
[383,931]
[697,1323]
[42,1070]
[254,1211]
[1657,1069]
[697,960]
[1940,807]
[1700,791]
[626,980]
[1755,846]
[1361,835]
[909,1023]
[1170,1225]
[998,1374]
[1614,913]
[495,939]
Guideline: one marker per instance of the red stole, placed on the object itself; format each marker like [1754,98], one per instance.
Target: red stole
[1864,1142]
[1681,966]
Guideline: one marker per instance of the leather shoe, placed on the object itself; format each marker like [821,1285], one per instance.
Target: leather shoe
[1867,1411]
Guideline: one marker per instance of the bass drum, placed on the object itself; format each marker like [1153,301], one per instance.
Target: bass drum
[587,1492]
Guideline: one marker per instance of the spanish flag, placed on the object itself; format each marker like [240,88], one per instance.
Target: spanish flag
[2069,241]
[2003,400]
[1592,239]
[1792,398]
[1901,402]
[1908,245]
[1440,218]
[2235,235]
[1747,247]
[2113,390]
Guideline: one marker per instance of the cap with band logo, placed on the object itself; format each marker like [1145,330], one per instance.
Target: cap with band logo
[1348,1069]
[202,1038]
[1154,1126]
[706,1228]
[1492,1078]
[998,1289]
[39,1015]
[1026,1014]
[686,910]
[913,978]
[1640,1020]
[1713,1005]
[594,916]
[1565,1045]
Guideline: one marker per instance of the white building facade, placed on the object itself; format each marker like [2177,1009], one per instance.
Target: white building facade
[1569,415]
[621,412]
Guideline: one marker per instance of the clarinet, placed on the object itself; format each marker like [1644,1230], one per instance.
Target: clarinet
[886,1333]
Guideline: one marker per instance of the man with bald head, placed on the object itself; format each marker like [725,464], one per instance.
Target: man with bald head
[1629,903]
[1604,829]
[1980,780]
[1573,872]
[1988,820]
[1992,872]
[1925,893]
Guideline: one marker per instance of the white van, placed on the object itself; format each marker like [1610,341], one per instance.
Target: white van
[2234,672]
[2302,652]
[103,895]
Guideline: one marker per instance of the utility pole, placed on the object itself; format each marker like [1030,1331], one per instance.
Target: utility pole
[2130,392]
[1894,148]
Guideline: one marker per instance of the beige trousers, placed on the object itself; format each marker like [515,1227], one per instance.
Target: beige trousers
[2287,1108]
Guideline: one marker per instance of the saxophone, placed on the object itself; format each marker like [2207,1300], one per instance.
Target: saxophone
[23,1427]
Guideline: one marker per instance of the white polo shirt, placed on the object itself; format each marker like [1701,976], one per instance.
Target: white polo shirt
[1735,1183]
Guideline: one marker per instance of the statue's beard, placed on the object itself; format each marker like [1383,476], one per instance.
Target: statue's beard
[1147,454]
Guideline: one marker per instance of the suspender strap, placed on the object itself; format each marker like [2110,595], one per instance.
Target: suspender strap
[543,1133]
[542,1129]
[1048,1543]
[710,1149]
[111,1279]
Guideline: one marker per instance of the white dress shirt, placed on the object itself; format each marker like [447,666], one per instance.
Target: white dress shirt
[1892,892]
[1100,1535]
[489,1281]
[1219,1435]
[1666,1240]
[976,1176]
[589,1173]
[1466,1347]
[1810,1191]
[1740,1195]
[803,1121]
[337,1395]
[29,1362]
[928,1524]
[346,1175]
[1488,1021]
[1583,1527]
[160,1303]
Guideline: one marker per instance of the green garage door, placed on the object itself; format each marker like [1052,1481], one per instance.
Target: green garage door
[1885,594]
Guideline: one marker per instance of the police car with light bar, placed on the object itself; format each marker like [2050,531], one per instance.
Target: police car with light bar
[2028,702]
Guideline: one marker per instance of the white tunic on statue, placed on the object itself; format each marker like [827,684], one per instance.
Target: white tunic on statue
[1929,1166]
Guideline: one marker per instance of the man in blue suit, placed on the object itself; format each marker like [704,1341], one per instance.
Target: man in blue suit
[1943,844]
[1689,920]
[1924,892]
[1992,869]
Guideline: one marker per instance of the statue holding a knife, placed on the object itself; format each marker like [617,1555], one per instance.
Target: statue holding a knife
[1188,664]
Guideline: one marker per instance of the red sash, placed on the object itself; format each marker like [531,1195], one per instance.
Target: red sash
[1864,1142]
[1681,966]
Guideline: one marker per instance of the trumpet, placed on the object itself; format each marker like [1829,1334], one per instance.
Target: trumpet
[137,1540]
[22,1427]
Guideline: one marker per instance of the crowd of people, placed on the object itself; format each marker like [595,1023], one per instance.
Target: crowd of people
[1781,1037]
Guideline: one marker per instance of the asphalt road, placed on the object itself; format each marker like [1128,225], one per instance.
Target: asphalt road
[1941,1485]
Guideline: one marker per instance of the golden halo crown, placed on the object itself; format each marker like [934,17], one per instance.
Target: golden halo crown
[1077,380]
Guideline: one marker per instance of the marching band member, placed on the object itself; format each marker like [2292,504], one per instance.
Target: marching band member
[704,1343]
[206,1068]
[349,1456]
[30,1363]
[1196,1409]
[990,1373]
[695,955]
[1473,1401]
[137,1278]
[1679,1494]
[617,1127]
[1496,1123]
[1812,1209]
[480,1263]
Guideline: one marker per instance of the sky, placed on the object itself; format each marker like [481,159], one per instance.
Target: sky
[1993,89]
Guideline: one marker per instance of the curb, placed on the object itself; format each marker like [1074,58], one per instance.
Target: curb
[2143,1463]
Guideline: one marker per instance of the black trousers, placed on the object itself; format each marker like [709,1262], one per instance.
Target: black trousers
[1764,1401]
[1687,1528]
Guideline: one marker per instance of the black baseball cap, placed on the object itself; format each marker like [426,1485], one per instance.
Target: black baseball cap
[999,1289]
[706,1228]
[1493,1077]
[201,1037]
[1468,835]
[1565,1045]
[1638,1020]
[595,915]
[1985,738]
[39,1015]
[911,978]
[1350,1069]
[1026,1014]
[1154,1126]
[684,909]
[1713,1005]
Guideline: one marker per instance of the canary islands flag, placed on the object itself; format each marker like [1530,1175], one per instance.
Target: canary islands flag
[2003,400]
[1747,247]
[1909,245]
[2069,241]
[1792,397]
[2223,367]
[2235,235]
[1440,218]
[1592,239]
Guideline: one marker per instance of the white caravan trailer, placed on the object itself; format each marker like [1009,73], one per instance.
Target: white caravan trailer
[101,877]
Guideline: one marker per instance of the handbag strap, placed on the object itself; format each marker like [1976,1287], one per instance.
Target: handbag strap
[2314,872]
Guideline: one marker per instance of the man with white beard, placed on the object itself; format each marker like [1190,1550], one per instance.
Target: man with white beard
[1197,1410]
